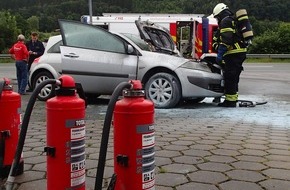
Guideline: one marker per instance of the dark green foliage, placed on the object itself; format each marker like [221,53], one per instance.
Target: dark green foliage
[273,41]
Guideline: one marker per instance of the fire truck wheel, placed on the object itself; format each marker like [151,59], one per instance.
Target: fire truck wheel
[47,91]
[164,90]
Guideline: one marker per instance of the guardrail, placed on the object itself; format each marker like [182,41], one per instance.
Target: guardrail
[4,56]
[271,56]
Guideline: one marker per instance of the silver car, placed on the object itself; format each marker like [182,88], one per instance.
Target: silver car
[100,60]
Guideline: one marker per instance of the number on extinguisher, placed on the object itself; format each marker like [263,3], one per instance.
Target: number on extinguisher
[148,176]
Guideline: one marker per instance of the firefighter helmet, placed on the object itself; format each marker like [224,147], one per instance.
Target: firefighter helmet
[219,8]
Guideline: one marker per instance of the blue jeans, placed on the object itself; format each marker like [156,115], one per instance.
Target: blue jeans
[22,77]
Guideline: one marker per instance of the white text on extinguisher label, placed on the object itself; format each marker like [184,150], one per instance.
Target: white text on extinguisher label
[74,123]
[148,139]
[145,128]
[150,185]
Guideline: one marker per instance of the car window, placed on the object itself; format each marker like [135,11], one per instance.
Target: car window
[91,37]
[55,48]
[138,41]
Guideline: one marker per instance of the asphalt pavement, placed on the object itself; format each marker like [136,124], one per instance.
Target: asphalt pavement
[197,146]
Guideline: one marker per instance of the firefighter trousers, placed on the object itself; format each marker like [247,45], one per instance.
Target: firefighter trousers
[232,71]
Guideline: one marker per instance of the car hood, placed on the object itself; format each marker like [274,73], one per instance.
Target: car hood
[157,36]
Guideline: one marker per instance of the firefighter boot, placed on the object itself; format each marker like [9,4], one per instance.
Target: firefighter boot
[227,103]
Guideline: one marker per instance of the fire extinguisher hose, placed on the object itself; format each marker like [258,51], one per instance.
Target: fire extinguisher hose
[106,132]
[23,131]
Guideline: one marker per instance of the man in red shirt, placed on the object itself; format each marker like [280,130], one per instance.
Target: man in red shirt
[20,53]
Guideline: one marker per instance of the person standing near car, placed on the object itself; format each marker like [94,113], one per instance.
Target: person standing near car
[35,48]
[20,53]
[231,53]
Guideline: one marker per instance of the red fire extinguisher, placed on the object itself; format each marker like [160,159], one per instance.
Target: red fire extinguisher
[10,108]
[65,138]
[134,141]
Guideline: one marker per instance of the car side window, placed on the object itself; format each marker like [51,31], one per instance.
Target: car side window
[91,37]
[55,48]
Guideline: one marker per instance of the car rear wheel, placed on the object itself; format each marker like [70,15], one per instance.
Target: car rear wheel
[47,91]
[164,90]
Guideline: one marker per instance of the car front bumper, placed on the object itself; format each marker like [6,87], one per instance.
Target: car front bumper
[197,83]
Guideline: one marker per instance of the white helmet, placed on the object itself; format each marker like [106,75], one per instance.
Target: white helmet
[219,8]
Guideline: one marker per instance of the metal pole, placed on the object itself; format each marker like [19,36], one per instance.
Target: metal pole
[91,11]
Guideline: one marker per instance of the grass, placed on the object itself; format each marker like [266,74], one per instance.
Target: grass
[7,60]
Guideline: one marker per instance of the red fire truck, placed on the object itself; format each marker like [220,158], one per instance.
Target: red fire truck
[192,33]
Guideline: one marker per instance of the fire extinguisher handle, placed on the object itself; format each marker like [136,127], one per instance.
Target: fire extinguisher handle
[50,151]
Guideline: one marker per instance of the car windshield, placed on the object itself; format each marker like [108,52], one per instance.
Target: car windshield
[138,41]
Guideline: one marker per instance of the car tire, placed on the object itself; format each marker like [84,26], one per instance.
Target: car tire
[46,92]
[164,90]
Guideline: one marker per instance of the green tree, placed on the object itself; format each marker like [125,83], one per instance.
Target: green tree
[9,30]
[33,23]
[273,42]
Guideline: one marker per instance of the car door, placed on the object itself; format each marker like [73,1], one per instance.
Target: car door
[96,58]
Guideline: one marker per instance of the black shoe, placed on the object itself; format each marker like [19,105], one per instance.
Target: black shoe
[229,104]
[29,90]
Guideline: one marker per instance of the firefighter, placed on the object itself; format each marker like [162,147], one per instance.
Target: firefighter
[231,52]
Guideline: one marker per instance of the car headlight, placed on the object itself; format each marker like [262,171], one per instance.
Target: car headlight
[196,66]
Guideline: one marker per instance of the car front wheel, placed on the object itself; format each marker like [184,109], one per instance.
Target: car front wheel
[48,90]
[164,90]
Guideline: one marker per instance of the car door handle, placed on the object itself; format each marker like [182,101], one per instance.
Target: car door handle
[71,55]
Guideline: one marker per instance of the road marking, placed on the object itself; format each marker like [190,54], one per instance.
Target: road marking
[260,66]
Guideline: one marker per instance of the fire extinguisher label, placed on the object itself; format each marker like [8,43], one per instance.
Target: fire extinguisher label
[148,139]
[77,181]
[148,177]
[76,151]
[146,151]
[148,168]
[78,132]
[145,128]
[145,159]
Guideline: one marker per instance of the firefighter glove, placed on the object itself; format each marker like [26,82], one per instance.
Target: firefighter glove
[221,51]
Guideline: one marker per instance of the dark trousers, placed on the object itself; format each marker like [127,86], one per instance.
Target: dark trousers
[232,71]
[22,77]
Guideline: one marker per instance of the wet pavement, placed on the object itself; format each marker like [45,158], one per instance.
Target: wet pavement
[197,146]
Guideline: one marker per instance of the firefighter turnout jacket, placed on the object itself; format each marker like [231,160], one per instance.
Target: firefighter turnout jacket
[228,36]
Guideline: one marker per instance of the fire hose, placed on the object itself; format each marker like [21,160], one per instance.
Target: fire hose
[248,103]
[242,103]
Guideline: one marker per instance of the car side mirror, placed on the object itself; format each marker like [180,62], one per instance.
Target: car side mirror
[130,49]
